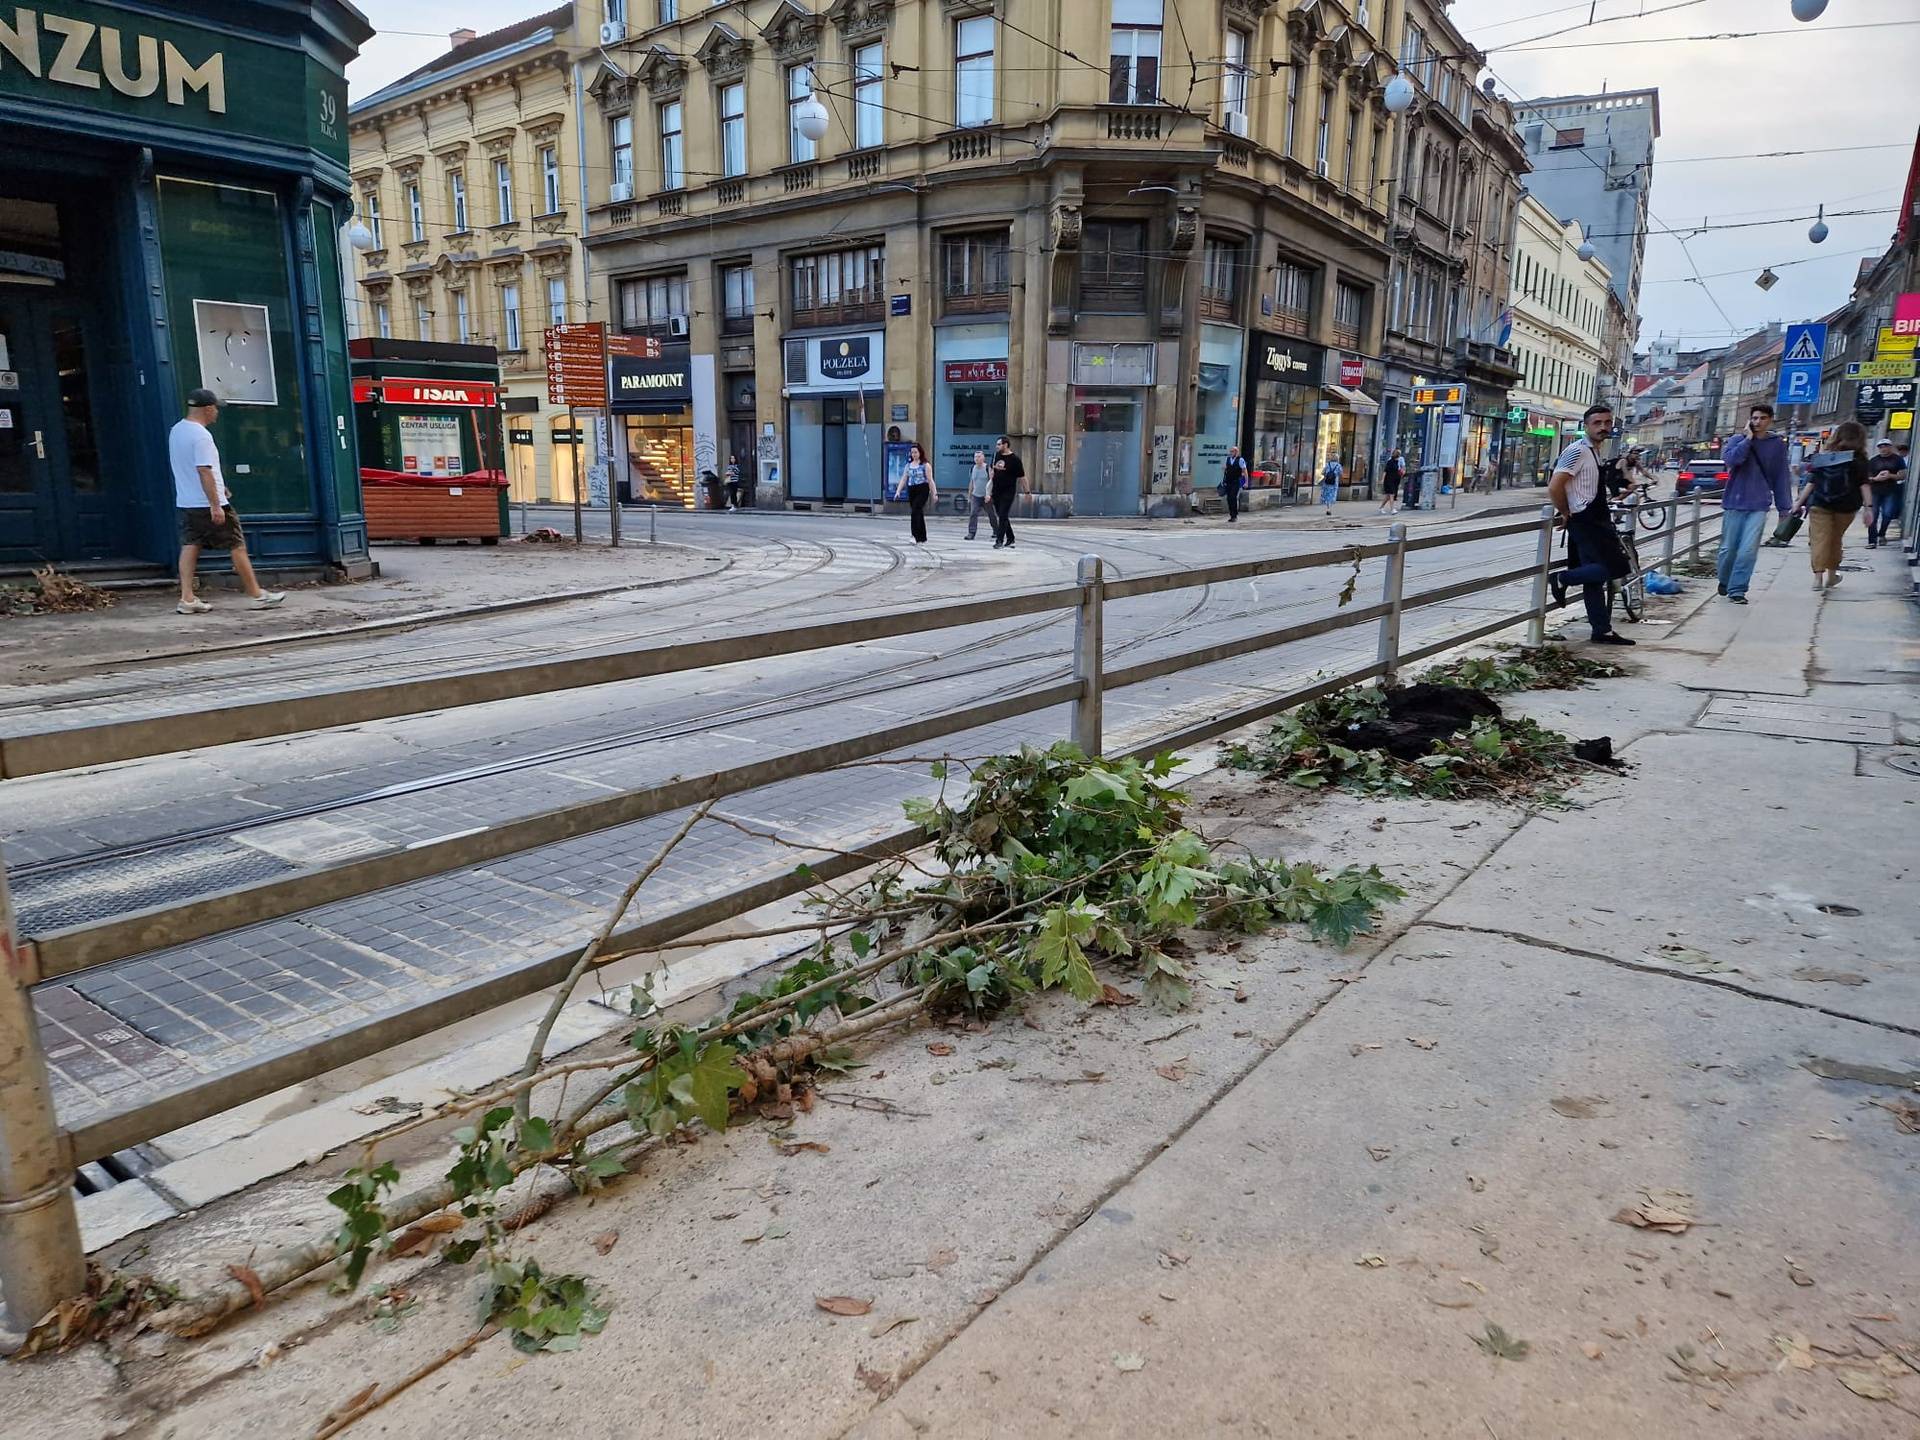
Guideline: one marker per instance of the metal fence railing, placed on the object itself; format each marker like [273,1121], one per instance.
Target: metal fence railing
[41,1259]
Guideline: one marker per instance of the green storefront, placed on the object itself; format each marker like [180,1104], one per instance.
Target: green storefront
[173,185]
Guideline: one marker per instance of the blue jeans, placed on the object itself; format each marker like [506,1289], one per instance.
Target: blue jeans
[1885,511]
[1740,532]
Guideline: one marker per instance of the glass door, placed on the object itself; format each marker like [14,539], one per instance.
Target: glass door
[1106,462]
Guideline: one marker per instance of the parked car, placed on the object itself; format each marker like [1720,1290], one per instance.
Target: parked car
[1705,473]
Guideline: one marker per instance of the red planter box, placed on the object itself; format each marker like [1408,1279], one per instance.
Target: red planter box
[410,508]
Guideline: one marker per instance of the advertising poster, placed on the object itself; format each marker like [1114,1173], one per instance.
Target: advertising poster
[430,446]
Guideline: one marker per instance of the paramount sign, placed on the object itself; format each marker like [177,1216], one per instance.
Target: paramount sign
[61,50]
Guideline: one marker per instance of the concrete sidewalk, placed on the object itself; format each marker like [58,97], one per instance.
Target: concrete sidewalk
[1289,1214]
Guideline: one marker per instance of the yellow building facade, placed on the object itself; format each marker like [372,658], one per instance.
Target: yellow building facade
[468,172]
[1126,233]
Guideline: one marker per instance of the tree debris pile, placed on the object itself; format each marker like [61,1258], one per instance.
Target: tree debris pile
[1524,667]
[52,593]
[1438,742]
[1053,868]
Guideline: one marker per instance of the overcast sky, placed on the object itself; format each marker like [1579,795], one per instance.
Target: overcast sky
[1817,86]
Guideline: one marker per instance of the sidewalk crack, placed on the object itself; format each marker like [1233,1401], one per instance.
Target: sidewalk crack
[1648,968]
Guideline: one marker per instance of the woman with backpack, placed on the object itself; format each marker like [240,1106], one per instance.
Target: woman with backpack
[1835,490]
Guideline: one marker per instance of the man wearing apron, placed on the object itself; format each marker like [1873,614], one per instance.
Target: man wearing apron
[1594,552]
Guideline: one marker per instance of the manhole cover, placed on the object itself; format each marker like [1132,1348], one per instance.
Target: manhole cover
[1907,762]
[1841,910]
[1798,719]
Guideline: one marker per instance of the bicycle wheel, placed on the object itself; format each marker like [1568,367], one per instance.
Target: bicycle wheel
[1629,594]
[1653,517]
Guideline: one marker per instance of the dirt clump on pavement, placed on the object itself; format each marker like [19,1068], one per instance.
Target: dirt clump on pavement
[1416,716]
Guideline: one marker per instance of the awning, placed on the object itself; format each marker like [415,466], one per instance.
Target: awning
[1355,400]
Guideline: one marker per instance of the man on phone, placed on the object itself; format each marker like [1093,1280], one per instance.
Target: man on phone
[1757,477]
[1594,552]
[207,518]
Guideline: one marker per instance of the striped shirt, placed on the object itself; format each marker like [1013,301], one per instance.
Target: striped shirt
[1579,461]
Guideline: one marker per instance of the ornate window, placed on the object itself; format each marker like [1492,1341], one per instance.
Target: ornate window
[1113,267]
[973,70]
[974,271]
[733,129]
[1133,55]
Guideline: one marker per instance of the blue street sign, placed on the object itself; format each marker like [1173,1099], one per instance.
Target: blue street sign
[1801,352]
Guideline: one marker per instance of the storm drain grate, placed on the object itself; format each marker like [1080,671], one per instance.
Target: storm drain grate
[1797,719]
[87,894]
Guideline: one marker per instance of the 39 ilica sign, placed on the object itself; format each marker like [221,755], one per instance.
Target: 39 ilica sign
[105,59]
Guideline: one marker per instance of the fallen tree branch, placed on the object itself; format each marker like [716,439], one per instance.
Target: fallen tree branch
[334,1424]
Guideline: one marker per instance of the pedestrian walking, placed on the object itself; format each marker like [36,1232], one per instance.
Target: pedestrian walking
[1886,475]
[1009,476]
[1757,479]
[1233,479]
[1392,474]
[1330,474]
[917,478]
[733,482]
[1409,486]
[207,517]
[1594,552]
[977,483]
[1837,487]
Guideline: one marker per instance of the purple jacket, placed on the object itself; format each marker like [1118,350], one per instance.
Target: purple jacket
[1757,474]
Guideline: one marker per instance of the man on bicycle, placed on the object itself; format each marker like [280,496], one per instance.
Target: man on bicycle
[1594,552]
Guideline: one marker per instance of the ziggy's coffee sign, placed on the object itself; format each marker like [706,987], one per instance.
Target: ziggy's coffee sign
[1293,362]
[102,58]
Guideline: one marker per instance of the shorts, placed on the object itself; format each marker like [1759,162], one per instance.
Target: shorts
[197,528]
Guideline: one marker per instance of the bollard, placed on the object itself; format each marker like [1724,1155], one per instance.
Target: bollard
[1693,550]
[41,1260]
[1390,593]
[1537,625]
[1087,656]
[653,524]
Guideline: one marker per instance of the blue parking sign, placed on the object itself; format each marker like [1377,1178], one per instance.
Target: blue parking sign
[1802,350]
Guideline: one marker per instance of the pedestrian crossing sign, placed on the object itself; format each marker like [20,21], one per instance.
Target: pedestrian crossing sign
[1805,343]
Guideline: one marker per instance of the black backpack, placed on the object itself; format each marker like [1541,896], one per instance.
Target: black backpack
[1830,473]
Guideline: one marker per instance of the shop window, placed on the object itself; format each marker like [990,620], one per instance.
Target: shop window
[1133,63]
[655,305]
[979,410]
[973,71]
[1113,267]
[1222,267]
[974,272]
[869,111]
[1349,314]
[736,300]
[733,129]
[1292,298]
[839,288]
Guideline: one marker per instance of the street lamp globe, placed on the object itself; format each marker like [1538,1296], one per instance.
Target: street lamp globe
[1818,232]
[810,118]
[1586,250]
[358,235]
[1809,9]
[1398,95]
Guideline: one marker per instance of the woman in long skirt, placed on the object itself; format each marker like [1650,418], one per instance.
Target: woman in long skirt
[920,491]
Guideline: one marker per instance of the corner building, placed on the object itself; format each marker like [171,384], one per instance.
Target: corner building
[1128,233]
[173,184]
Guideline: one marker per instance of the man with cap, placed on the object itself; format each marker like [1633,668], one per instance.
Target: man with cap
[207,519]
[1886,472]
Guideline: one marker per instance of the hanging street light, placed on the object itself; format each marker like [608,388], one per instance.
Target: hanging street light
[1398,95]
[1818,231]
[1809,9]
[358,235]
[810,118]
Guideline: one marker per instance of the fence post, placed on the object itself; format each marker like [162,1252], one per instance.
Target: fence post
[41,1261]
[653,524]
[1543,558]
[1693,550]
[1087,654]
[1666,540]
[1390,593]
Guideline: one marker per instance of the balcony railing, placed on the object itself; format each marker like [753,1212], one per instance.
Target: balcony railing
[730,192]
[969,145]
[1219,304]
[975,300]
[670,204]
[800,177]
[851,311]
[1135,124]
[864,166]
[1288,322]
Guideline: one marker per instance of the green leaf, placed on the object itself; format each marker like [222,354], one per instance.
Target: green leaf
[938,769]
[604,1166]
[804,873]
[1502,1346]
[714,1077]
[858,942]
[461,1251]
[536,1136]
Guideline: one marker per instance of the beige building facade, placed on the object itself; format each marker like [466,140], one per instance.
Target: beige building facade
[1127,233]
[468,172]
[1560,335]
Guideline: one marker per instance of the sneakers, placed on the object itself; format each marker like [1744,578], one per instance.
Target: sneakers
[1737,599]
[1559,589]
[266,599]
[1613,637]
[192,607]
[1723,587]
[1833,578]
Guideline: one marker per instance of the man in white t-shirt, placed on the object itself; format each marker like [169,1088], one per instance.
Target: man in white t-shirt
[207,520]
[1594,552]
